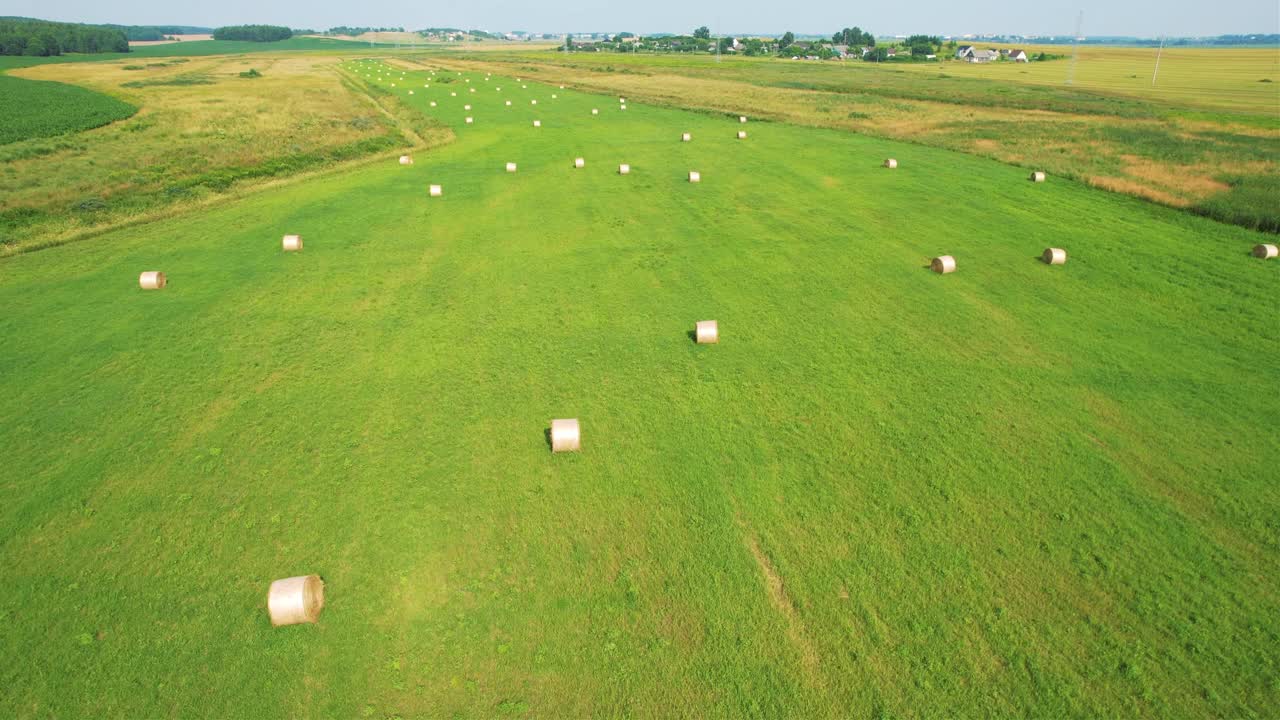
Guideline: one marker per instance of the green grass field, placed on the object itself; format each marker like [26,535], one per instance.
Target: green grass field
[1017,490]
[34,109]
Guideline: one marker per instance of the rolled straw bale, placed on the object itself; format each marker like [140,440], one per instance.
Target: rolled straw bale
[943,264]
[554,96]
[537,123]
[410,92]
[473,89]
[622,100]
[406,160]
[742,118]
[1266,252]
[1054,256]
[466,107]
[291,243]
[622,107]
[707,332]
[624,169]
[695,176]
[533,102]
[686,137]
[151,280]
[742,134]
[433,103]
[508,103]
[1036,177]
[565,436]
[579,163]
[511,167]
[524,87]
[891,163]
[436,191]
[595,111]
[296,600]
[470,120]
[561,87]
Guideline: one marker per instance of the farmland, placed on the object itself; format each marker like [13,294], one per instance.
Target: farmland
[1206,146]
[34,109]
[1014,490]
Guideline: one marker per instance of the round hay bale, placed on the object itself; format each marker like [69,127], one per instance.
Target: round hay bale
[707,332]
[624,169]
[566,436]
[537,123]
[554,96]
[406,160]
[508,103]
[533,102]
[1054,256]
[686,137]
[291,243]
[891,164]
[296,600]
[1266,252]
[436,191]
[151,280]
[742,118]
[622,107]
[943,264]
[470,120]
[473,89]
[1037,177]
[410,92]
[453,94]
[466,107]
[622,100]
[524,87]
[695,176]
[595,111]
[742,134]
[579,163]
[561,87]
[511,167]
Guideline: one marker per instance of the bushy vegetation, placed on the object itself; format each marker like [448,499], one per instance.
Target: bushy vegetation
[253,33]
[34,109]
[41,38]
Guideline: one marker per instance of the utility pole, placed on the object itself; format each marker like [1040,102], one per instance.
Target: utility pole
[1159,52]
[1075,50]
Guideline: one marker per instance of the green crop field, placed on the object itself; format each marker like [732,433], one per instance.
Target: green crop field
[1015,490]
[33,109]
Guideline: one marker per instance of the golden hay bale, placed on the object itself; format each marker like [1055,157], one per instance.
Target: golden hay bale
[1266,252]
[1037,177]
[470,120]
[436,191]
[595,111]
[622,107]
[686,137]
[537,123]
[511,167]
[1054,256]
[296,600]
[579,163]
[707,332]
[533,102]
[742,118]
[695,176]
[410,92]
[624,169]
[291,243]
[151,280]
[453,94]
[508,103]
[406,160]
[742,134]
[561,87]
[473,89]
[433,103]
[466,107]
[943,264]
[622,100]
[566,436]
[891,163]
[554,96]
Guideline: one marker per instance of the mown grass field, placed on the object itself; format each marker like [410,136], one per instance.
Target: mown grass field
[1181,149]
[1016,490]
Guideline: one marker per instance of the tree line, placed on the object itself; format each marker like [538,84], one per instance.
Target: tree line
[253,33]
[42,38]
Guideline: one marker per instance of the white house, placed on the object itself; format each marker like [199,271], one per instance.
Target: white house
[1019,56]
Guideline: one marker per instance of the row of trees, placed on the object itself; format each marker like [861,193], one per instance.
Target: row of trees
[253,33]
[854,37]
[41,38]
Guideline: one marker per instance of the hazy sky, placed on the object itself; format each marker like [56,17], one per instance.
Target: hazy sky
[1147,18]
